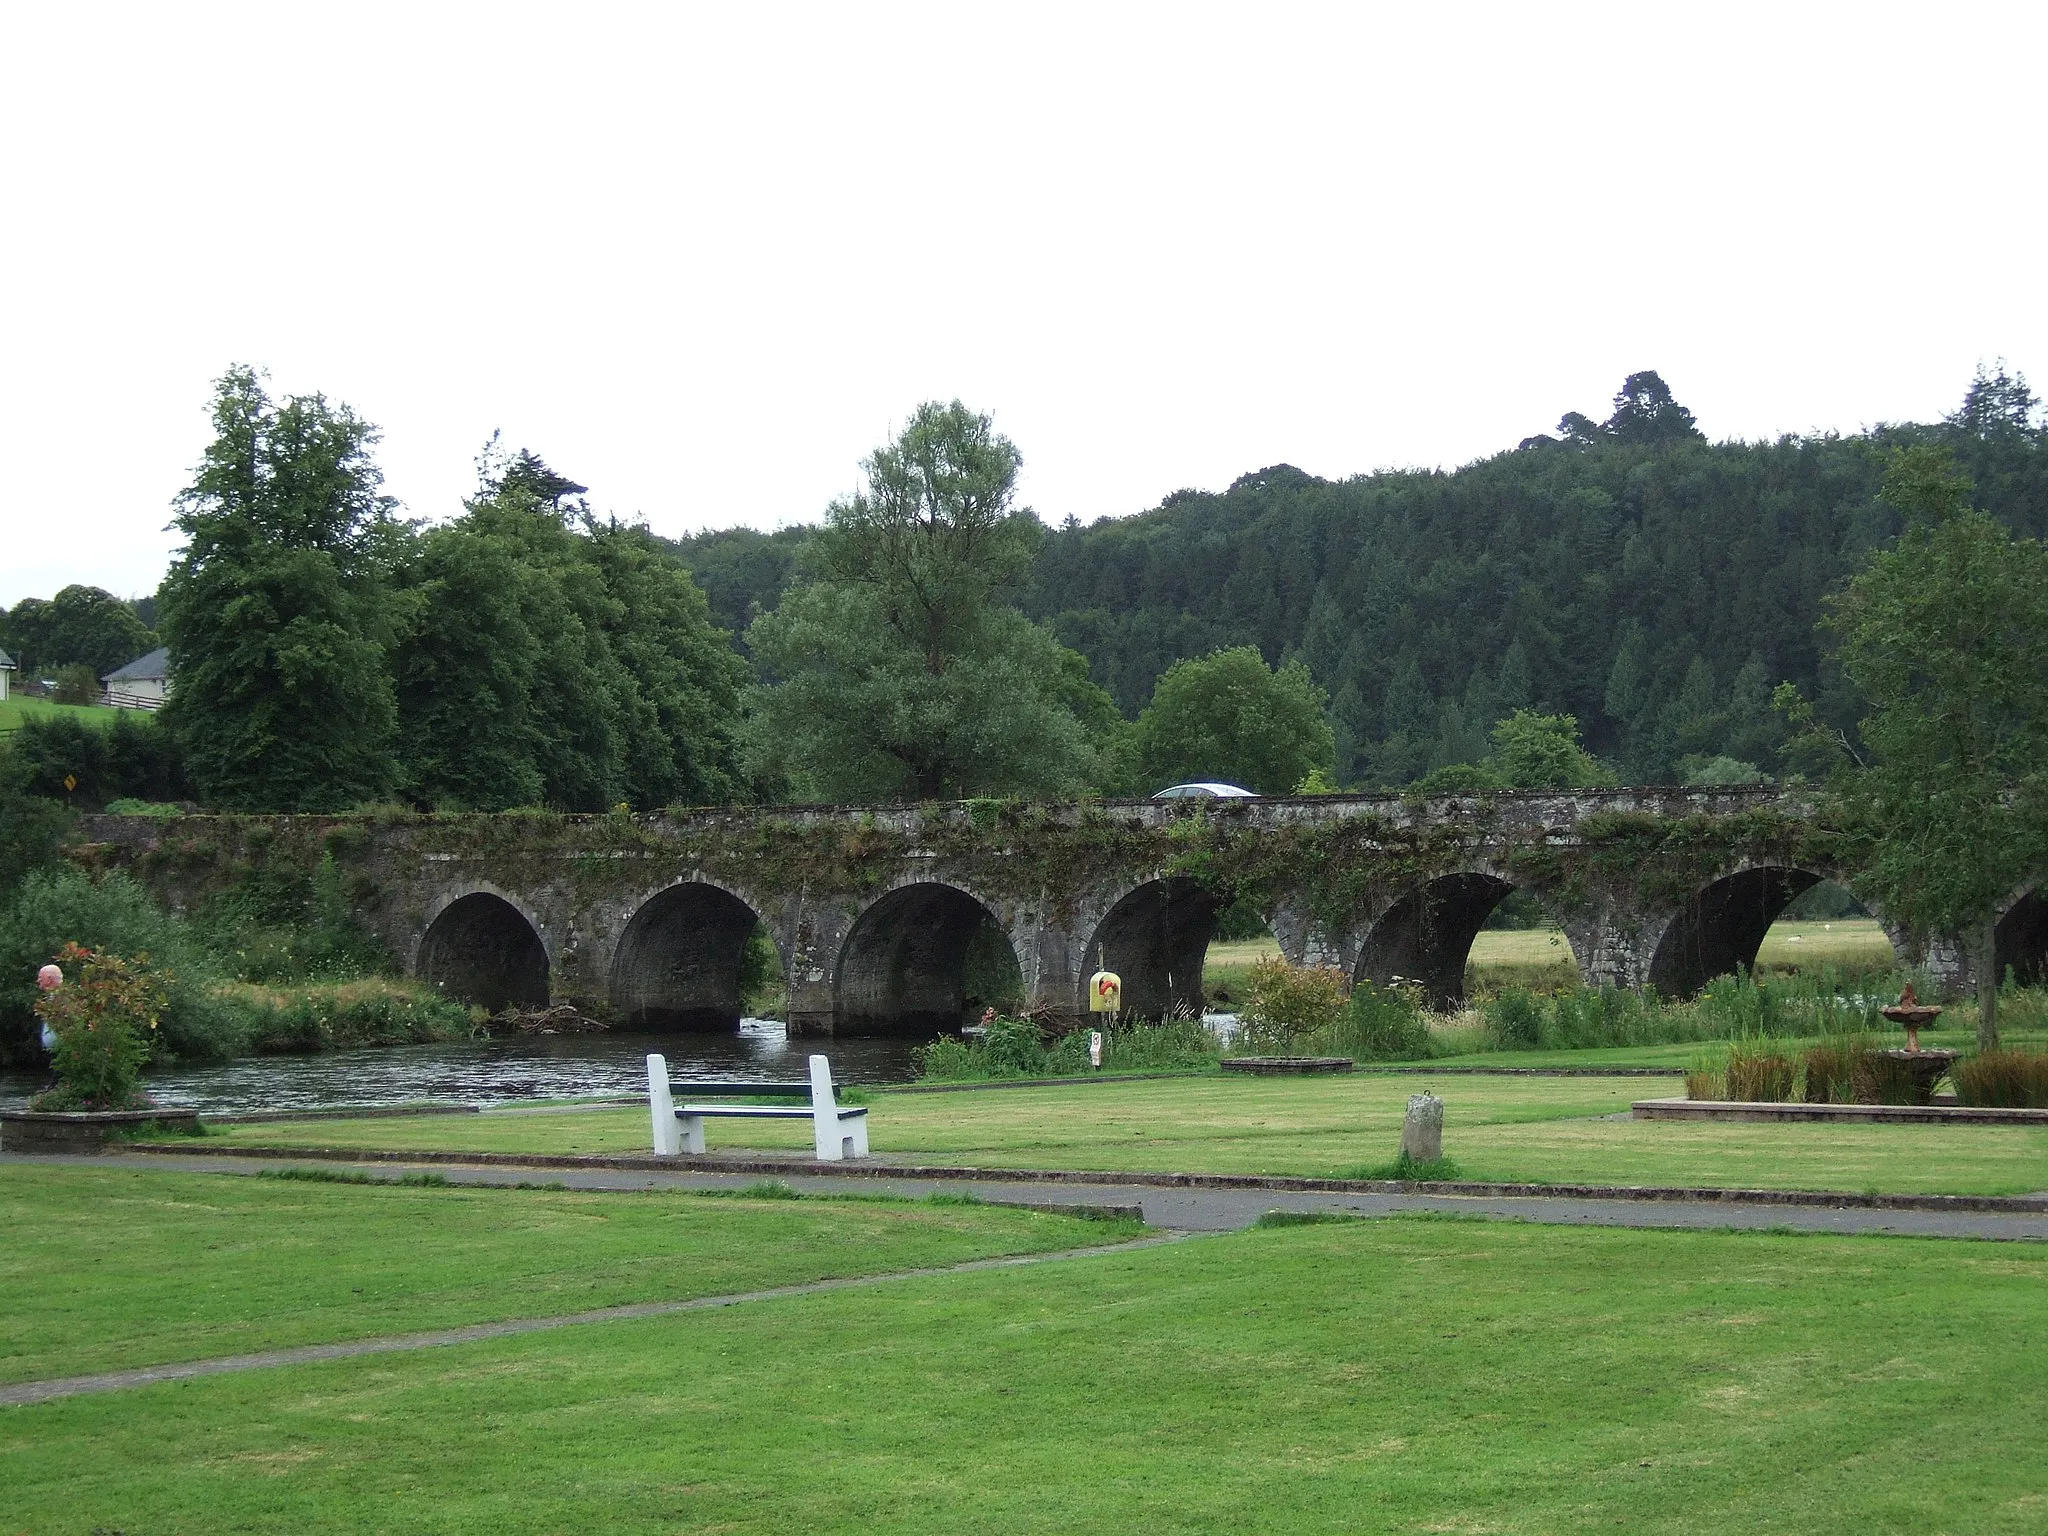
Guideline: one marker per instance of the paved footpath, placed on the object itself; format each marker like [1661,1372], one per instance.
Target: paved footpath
[1184,1210]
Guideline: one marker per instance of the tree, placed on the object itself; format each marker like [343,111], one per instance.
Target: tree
[1230,717]
[555,659]
[1535,751]
[278,611]
[464,676]
[80,626]
[1944,816]
[1530,751]
[901,665]
[1644,412]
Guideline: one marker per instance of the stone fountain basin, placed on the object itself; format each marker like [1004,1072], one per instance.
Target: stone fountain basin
[1912,1018]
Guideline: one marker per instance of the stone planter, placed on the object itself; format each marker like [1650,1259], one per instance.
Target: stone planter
[28,1130]
[1274,1066]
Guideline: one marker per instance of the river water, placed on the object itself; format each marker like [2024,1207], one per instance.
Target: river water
[490,1071]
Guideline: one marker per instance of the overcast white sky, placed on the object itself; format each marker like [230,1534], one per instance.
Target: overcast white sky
[704,258]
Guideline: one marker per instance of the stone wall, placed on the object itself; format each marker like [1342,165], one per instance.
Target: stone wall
[642,917]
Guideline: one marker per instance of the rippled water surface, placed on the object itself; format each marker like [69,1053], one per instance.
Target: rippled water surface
[487,1071]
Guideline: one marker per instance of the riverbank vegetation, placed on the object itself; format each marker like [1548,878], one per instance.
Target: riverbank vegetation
[1011,1048]
[260,971]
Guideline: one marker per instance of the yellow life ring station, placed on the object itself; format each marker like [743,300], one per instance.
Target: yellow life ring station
[1105,992]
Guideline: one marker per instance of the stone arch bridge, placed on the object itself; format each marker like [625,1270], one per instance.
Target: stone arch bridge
[874,912]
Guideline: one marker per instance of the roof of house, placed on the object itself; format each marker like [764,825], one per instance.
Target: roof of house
[157,664]
[7,662]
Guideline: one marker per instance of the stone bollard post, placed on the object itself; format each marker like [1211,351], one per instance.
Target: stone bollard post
[1422,1134]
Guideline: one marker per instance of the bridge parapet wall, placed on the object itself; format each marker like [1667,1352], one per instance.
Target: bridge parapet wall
[868,907]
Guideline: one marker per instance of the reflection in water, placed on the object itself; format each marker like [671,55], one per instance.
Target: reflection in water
[487,1071]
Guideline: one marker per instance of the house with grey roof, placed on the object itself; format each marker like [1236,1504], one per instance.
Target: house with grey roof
[6,672]
[142,684]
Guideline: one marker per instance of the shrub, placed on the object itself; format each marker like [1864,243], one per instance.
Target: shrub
[323,1016]
[1172,1045]
[134,757]
[281,925]
[1514,1020]
[32,830]
[1741,1005]
[1012,1049]
[1380,1024]
[947,1060]
[2002,1079]
[1591,1017]
[60,906]
[1287,1002]
[76,684]
[104,1017]
[1760,1071]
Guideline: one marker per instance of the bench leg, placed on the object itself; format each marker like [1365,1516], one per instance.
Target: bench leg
[859,1136]
[661,1107]
[825,1137]
[692,1128]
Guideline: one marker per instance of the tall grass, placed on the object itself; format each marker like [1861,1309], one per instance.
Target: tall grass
[2003,1080]
[1742,1006]
[1012,1050]
[322,1016]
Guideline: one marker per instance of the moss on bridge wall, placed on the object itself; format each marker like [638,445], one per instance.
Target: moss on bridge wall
[1332,859]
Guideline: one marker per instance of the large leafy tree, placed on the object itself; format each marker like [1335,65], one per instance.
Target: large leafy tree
[1231,717]
[86,626]
[1944,814]
[1530,751]
[901,666]
[278,610]
[556,659]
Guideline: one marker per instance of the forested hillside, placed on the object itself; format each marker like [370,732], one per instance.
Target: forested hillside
[1653,584]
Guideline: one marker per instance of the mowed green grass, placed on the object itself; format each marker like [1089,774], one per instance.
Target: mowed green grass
[1514,1129]
[15,709]
[1398,1375]
[1542,957]
[105,1269]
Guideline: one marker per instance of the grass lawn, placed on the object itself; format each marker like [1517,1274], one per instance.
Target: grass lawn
[15,709]
[1509,1128]
[1399,1375]
[104,1269]
[1849,943]
[1542,957]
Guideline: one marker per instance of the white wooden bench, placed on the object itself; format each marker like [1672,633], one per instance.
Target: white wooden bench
[838,1133]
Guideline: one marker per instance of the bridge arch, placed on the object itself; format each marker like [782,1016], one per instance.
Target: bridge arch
[903,968]
[1427,934]
[679,963]
[1721,927]
[482,948]
[1155,937]
[2022,939]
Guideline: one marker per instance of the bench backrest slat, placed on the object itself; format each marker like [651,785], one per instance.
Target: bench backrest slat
[680,1087]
